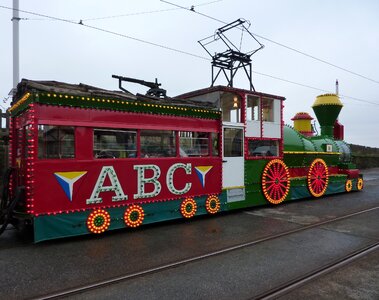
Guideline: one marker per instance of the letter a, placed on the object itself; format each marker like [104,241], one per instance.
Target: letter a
[114,187]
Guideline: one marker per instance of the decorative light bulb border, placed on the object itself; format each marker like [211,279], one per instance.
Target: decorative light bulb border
[112,104]
[318,178]
[275,181]
[98,221]
[134,216]
[212,204]
[188,208]
[348,185]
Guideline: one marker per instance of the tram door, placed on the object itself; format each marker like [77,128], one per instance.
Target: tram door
[232,156]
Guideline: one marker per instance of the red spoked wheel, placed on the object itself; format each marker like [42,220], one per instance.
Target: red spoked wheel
[275,181]
[318,177]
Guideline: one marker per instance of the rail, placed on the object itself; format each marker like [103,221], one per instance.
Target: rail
[277,292]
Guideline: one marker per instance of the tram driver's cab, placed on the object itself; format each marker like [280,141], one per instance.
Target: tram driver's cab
[251,130]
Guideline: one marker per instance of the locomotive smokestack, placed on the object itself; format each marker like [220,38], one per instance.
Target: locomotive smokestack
[337,88]
[327,108]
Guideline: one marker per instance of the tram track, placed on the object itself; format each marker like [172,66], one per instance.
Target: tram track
[270,294]
[323,270]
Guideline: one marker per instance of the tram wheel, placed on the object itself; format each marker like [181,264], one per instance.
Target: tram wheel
[348,185]
[275,181]
[360,184]
[318,177]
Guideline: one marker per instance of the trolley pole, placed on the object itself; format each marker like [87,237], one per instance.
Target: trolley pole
[16,48]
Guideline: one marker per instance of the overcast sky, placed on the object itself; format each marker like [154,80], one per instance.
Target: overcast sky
[342,32]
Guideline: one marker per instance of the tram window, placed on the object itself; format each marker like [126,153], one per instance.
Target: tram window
[215,144]
[56,141]
[109,143]
[253,111]
[233,142]
[158,143]
[194,143]
[231,108]
[267,110]
[263,148]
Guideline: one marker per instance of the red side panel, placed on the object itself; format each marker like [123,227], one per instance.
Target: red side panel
[352,173]
[71,116]
[70,186]
[338,131]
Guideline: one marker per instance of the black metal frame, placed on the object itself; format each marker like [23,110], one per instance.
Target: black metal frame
[231,60]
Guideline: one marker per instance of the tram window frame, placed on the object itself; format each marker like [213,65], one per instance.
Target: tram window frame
[157,141]
[215,143]
[267,106]
[233,143]
[61,145]
[253,109]
[114,143]
[194,144]
[231,107]
[269,148]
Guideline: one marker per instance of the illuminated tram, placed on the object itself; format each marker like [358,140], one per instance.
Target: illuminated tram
[87,160]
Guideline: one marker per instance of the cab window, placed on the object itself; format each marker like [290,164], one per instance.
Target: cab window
[263,148]
[267,109]
[253,109]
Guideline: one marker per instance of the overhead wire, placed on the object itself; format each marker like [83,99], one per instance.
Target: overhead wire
[109,17]
[172,49]
[277,43]
[145,12]
[130,14]
[316,88]
[106,31]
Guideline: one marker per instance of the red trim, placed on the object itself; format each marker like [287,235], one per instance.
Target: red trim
[281,144]
[138,143]
[302,116]
[177,145]
[227,89]
[59,115]
[353,173]
[303,171]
